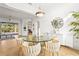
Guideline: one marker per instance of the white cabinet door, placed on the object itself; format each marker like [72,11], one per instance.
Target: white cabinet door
[69,40]
[76,44]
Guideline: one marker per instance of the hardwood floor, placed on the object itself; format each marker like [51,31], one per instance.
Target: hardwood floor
[15,51]
[64,51]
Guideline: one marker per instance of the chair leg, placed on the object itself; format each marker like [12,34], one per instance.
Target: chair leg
[57,53]
[53,54]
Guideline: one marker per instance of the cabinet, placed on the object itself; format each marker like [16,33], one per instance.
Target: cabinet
[66,40]
[69,40]
[76,43]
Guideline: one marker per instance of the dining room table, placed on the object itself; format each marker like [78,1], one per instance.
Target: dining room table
[36,40]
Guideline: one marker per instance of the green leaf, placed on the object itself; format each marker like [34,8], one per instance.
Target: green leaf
[76,15]
[74,23]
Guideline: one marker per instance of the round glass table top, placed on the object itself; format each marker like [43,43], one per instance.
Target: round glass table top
[36,39]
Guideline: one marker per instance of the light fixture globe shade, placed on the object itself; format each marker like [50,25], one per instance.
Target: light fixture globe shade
[39,13]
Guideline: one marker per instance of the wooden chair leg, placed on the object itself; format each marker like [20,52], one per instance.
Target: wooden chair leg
[52,53]
[57,53]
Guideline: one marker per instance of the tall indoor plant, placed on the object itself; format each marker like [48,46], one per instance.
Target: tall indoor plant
[75,24]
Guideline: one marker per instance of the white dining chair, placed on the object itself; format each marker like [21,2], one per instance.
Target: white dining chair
[56,47]
[53,46]
[48,46]
[32,50]
[25,44]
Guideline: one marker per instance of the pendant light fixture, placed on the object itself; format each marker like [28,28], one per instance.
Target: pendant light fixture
[40,12]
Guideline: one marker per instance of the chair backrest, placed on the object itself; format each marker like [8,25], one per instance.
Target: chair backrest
[19,40]
[49,45]
[37,49]
[33,50]
[53,46]
[25,44]
[9,47]
[56,46]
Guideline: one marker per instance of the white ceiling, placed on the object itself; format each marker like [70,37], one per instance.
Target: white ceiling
[50,9]
[7,12]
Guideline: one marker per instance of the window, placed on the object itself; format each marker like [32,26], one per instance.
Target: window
[8,27]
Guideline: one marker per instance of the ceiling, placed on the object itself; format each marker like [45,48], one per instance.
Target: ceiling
[23,10]
[7,12]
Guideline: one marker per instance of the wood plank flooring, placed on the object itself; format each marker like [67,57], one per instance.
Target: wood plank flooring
[64,51]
